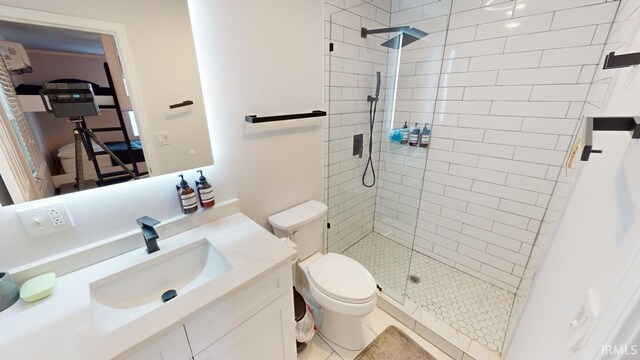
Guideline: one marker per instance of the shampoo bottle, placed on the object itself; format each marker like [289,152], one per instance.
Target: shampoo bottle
[187,197]
[425,135]
[405,134]
[205,192]
[414,135]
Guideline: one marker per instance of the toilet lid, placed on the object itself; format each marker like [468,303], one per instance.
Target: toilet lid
[342,278]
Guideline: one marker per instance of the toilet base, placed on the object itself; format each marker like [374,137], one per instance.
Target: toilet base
[343,330]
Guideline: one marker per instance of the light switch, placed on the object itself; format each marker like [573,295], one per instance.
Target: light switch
[46,219]
[162,138]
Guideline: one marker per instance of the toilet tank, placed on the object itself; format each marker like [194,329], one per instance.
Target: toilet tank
[306,221]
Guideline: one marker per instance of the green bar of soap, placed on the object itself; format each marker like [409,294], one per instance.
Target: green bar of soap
[38,288]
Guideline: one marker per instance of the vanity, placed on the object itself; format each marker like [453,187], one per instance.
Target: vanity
[234,301]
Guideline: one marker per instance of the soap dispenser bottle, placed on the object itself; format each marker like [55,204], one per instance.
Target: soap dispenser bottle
[414,135]
[405,134]
[205,192]
[187,197]
[425,136]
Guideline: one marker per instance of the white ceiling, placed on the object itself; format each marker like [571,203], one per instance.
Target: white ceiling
[52,39]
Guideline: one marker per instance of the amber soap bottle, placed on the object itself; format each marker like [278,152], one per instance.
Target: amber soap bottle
[187,197]
[205,192]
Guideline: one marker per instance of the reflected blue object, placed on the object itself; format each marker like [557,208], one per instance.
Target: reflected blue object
[395,135]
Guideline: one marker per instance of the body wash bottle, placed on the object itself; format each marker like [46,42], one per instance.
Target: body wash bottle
[425,135]
[405,134]
[205,192]
[187,197]
[414,135]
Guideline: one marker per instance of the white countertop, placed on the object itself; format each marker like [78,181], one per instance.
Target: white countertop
[60,326]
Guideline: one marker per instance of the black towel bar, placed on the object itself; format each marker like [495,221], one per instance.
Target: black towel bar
[254,119]
[613,61]
[184,103]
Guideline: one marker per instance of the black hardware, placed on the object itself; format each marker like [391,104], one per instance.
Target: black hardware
[630,124]
[150,235]
[330,47]
[378,287]
[184,103]
[358,145]
[254,119]
[168,295]
[364,31]
[613,61]
[328,225]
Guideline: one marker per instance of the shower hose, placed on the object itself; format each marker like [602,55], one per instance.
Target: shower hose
[372,118]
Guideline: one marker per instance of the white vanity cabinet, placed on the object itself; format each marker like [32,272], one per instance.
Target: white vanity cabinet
[171,345]
[255,321]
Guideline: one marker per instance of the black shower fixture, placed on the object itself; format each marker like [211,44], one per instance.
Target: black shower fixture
[407,35]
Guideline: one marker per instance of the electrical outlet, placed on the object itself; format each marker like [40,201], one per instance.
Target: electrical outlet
[46,219]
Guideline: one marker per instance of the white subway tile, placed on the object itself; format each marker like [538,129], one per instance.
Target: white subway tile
[444,201]
[515,207]
[455,158]
[463,239]
[551,39]
[528,7]
[505,192]
[469,79]
[513,166]
[506,61]
[500,151]
[465,5]
[525,25]
[500,275]
[526,108]
[499,216]
[586,15]
[463,107]
[515,233]
[521,92]
[529,183]
[540,156]
[467,218]
[543,141]
[479,16]
[458,258]
[492,238]
[490,122]
[472,197]
[579,55]
[443,221]
[461,35]
[475,48]
[557,75]
[492,176]
[449,180]
[455,65]
[574,92]
[486,258]
[456,133]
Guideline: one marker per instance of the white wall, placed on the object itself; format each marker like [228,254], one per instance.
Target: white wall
[596,238]
[263,58]
[250,63]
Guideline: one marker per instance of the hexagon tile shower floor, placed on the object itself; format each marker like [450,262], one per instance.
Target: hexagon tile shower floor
[472,306]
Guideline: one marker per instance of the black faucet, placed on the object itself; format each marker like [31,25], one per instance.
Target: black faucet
[150,235]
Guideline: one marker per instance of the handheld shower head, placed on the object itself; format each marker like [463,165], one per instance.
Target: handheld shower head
[378,84]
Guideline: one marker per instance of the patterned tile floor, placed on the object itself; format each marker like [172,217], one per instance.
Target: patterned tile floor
[475,308]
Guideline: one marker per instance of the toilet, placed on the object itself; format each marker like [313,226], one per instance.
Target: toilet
[339,286]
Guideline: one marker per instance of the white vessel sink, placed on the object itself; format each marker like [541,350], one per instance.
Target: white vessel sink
[137,290]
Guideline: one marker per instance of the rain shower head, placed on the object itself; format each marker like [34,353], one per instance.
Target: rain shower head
[407,36]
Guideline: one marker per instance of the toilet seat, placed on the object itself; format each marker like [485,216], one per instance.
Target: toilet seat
[342,278]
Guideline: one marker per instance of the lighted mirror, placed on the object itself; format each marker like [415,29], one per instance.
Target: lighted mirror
[93,103]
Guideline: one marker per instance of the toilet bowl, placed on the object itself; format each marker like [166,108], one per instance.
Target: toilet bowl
[341,287]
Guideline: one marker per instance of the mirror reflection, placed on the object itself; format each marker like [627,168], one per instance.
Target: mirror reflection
[67,119]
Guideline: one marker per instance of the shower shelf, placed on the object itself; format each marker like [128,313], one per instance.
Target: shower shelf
[254,119]
[613,61]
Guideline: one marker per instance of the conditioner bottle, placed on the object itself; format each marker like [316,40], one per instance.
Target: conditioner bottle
[205,192]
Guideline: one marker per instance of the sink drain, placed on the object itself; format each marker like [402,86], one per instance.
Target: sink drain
[414,279]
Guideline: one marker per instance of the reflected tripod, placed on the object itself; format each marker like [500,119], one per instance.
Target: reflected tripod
[83,136]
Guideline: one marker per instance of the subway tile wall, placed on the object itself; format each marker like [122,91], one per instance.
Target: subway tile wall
[515,77]
[349,77]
